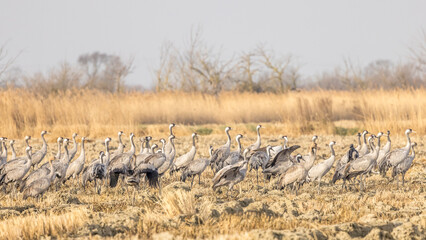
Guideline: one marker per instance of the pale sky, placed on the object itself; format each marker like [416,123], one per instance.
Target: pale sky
[319,33]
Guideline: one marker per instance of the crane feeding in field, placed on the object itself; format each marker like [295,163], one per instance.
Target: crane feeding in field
[281,162]
[38,156]
[16,169]
[403,167]
[231,175]
[77,165]
[385,150]
[396,156]
[257,144]
[196,167]
[222,153]
[234,156]
[259,159]
[120,163]
[295,175]
[184,160]
[170,156]
[321,169]
[41,185]
[363,165]
[341,165]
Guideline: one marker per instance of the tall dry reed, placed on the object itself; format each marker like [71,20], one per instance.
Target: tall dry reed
[98,114]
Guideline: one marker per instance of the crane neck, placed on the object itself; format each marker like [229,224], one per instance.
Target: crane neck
[4,152]
[29,155]
[414,153]
[239,145]
[389,140]
[359,140]
[163,146]
[332,150]
[13,149]
[408,146]
[228,143]
[59,147]
[44,142]
[119,139]
[193,141]
[82,147]
[132,149]
[285,143]
[67,156]
[171,129]
[107,155]
[364,137]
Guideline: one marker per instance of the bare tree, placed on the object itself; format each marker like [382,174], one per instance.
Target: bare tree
[248,65]
[5,65]
[277,67]
[166,68]
[104,71]
[64,78]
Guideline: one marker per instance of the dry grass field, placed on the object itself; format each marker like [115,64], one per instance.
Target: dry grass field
[252,212]
[99,114]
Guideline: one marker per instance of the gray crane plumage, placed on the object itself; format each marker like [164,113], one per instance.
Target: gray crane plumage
[222,153]
[403,167]
[120,148]
[120,164]
[73,151]
[234,156]
[58,154]
[14,170]
[41,185]
[170,156]
[259,159]
[231,175]
[196,167]
[258,142]
[184,160]
[295,175]
[396,156]
[3,152]
[385,150]
[363,165]
[12,148]
[364,147]
[76,167]
[321,169]
[38,156]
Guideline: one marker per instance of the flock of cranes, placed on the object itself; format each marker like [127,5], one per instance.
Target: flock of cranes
[23,173]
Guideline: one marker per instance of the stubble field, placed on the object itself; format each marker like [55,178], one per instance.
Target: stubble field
[252,211]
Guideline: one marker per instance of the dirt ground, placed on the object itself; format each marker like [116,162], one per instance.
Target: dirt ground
[253,211]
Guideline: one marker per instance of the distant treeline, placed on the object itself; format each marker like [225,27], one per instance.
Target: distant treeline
[197,67]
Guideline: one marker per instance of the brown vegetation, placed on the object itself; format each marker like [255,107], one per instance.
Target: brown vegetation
[95,113]
[252,212]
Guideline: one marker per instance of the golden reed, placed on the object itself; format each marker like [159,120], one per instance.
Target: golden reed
[96,114]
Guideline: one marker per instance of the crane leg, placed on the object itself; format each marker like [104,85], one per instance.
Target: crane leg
[403,179]
[192,182]
[397,182]
[257,176]
[319,186]
[199,179]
